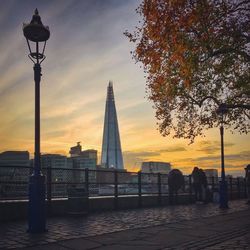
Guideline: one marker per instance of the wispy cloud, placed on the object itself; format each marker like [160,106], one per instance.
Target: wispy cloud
[86,49]
[212,147]
[173,149]
[134,159]
[137,157]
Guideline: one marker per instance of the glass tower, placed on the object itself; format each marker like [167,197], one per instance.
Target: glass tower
[111,145]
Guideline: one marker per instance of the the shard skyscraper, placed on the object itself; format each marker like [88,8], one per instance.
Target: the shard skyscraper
[111,145]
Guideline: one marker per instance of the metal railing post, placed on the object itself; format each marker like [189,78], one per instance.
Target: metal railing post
[190,189]
[139,189]
[49,188]
[245,188]
[238,187]
[159,188]
[212,178]
[116,189]
[87,186]
[231,187]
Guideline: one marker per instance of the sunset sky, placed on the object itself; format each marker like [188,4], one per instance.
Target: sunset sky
[86,49]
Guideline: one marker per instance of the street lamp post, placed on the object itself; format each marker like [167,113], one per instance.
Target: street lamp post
[223,183]
[37,33]
[222,110]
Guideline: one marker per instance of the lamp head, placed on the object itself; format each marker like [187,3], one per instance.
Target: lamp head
[35,31]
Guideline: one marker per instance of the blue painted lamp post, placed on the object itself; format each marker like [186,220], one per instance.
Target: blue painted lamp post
[222,110]
[37,33]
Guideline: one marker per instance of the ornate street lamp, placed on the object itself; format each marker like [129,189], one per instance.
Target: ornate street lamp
[222,110]
[36,33]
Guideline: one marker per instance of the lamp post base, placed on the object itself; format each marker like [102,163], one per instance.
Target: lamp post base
[223,195]
[36,209]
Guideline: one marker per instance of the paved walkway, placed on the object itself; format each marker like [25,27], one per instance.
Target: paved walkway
[172,227]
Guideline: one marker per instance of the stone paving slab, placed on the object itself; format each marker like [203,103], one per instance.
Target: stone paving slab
[79,244]
[189,227]
[167,237]
[242,242]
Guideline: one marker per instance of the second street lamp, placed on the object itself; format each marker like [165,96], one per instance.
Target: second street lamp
[35,32]
[222,110]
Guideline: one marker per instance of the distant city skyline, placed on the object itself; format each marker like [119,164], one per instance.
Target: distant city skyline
[87,48]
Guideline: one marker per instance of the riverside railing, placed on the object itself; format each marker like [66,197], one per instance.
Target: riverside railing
[103,182]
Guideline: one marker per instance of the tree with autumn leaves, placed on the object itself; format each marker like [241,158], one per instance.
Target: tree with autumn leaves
[196,56]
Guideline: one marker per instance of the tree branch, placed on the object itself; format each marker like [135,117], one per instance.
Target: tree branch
[209,97]
[230,50]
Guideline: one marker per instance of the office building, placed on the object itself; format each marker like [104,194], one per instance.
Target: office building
[14,168]
[83,159]
[15,158]
[155,167]
[211,173]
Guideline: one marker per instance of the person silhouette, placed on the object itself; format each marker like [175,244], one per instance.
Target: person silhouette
[175,182]
[196,183]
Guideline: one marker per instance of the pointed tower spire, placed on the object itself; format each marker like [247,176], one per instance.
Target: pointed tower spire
[111,145]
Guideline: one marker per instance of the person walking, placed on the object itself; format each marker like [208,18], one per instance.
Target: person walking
[175,182]
[196,181]
[204,188]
